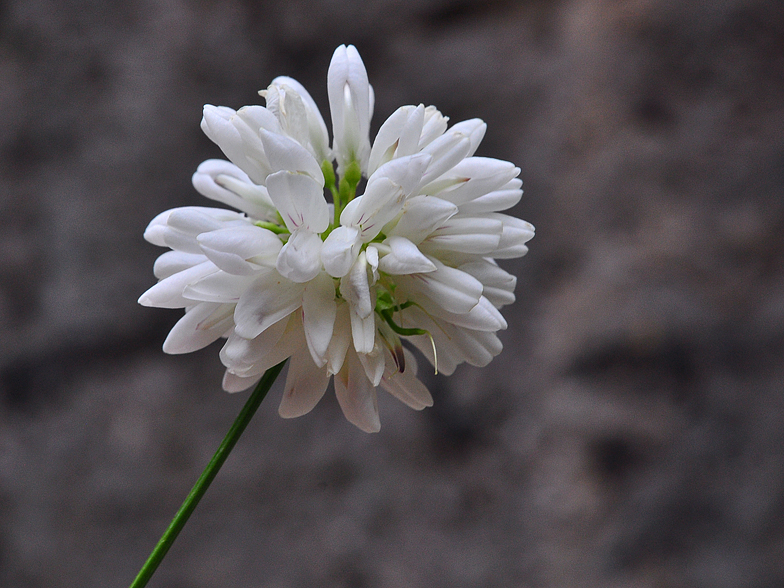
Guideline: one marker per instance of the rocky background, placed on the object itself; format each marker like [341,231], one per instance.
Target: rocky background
[631,434]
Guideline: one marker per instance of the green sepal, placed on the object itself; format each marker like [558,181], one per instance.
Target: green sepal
[329,175]
[353,173]
[384,301]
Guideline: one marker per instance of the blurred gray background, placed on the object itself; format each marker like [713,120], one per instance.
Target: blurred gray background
[631,434]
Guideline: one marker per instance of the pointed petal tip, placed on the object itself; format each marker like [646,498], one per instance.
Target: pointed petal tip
[368,427]
[145,300]
[288,411]
[233,383]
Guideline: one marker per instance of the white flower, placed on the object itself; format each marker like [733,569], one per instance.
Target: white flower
[337,287]
[351,104]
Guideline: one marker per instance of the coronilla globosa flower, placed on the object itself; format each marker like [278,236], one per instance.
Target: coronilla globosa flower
[338,287]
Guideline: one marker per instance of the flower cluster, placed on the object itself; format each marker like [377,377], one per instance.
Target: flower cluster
[336,287]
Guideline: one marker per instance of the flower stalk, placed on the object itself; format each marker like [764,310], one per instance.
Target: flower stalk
[207,476]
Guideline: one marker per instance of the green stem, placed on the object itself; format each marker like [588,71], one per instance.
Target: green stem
[207,476]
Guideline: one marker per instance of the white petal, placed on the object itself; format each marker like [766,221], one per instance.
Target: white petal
[350,103]
[434,127]
[405,386]
[448,355]
[371,103]
[284,153]
[373,363]
[405,258]
[279,353]
[239,354]
[473,347]
[290,110]
[305,385]
[215,124]
[447,288]
[249,121]
[357,396]
[186,223]
[155,230]
[218,287]
[479,346]
[386,191]
[408,143]
[447,151]
[464,345]
[318,316]
[254,118]
[340,250]
[363,331]
[225,182]
[290,342]
[168,292]
[299,259]
[472,178]
[270,298]
[405,172]
[355,289]
[341,339]
[483,317]
[516,233]
[319,139]
[300,201]
[421,216]
[172,262]
[201,325]
[387,138]
[240,250]
[398,136]
[198,219]
[241,145]
[233,383]
[479,235]
[499,297]
[505,197]
[454,344]
[358,214]
[371,256]
[474,129]
[498,285]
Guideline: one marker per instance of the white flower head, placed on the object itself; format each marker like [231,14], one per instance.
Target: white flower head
[339,287]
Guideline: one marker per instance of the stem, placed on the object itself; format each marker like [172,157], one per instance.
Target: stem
[207,476]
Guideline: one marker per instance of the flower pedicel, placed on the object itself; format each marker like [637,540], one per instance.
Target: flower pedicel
[336,287]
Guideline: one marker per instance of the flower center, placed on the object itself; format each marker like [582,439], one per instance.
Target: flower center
[343,190]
